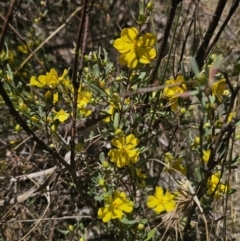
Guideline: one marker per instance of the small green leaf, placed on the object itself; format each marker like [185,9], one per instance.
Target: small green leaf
[102,157]
[130,222]
[98,89]
[150,234]
[194,66]
[65,232]
[116,120]
[98,198]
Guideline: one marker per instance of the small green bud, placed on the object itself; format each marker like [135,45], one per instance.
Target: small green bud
[150,6]
[71,228]
[141,19]
[140,226]
[101,182]
[105,164]
[197,140]
[183,111]
[17,127]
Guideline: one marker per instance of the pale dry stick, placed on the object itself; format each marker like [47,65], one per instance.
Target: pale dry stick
[16,147]
[48,38]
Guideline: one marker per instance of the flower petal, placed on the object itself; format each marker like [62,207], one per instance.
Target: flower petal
[118,142]
[119,158]
[122,46]
[159,192]
[159,208]
[127,207]
[129,34]
[147,40]
[152,202]
[131,142]
[117,213]
[146,54]
[130,59]
[105,214]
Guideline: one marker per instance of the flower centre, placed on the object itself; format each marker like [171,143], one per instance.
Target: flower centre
[135,44]
[124,151]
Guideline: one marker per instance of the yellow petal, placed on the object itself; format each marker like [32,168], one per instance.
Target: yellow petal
[159,208]
[61,116]
[169,206]
[35,82]
[127,207]
[117,214]
[131,141]
[218,89]
[119,158]
[130,59]
[104,214]
[118,142]
[133,153]
[122,46]
[65,72]
[129,35]
[152,202]
[147,40]
[159,192]
[146,54]
[174,103]
[206,155]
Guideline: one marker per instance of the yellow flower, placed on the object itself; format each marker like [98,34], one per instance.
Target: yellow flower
[85,112]
[126,151]
[215,186]
[84,98]
[110,111]
[206,155]
[61,116]
[172,92]
[134,49]
[218,89]
[117,204]
[50,80]
[232,115]
[161,202]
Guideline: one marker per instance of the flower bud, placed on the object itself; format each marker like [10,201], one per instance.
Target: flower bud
[105,164]
[140,226]
[150,6]
[141,19]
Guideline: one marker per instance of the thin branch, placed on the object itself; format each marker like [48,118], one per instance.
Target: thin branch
[29,131]
[202,50]
[231,12]
[76,80]
[163,45]
[6,21]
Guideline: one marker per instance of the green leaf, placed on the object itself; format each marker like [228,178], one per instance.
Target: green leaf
[129,222]
[198,174]
[194,66]
[98,198]
[231,191]
[96,70]
[150,234]
[102,157]
[116,120]
[65,232]
[98,89]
